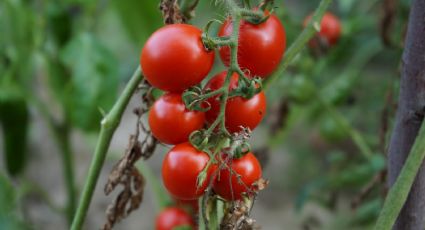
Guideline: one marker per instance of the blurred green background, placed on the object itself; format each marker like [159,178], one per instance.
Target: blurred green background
[322,143]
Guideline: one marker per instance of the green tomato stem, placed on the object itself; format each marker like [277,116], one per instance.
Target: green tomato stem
[398,193]
[108,126]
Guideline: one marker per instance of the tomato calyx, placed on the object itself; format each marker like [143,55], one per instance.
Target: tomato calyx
[195,99]
[247,88]
[212,43]
[254,16]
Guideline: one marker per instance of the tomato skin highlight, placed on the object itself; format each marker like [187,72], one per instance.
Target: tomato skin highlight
[173,217]
[249,169]
[171,122]
[180,169]
[174,58]
[239,111]
[261,47]
[330,28]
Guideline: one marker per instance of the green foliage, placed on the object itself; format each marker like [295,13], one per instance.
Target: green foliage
[14,119]
[93,82]
[9,218]
[140,18]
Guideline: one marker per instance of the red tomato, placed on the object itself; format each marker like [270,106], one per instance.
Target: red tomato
[171,218]
[249,170]
[261,46]
[239,111]
[330,28]
[171,122]
[174,58]
[180,170]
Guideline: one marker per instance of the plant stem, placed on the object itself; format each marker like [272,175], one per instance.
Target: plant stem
[409,116]
[300,42]
[62,134]
[108,126]
[398,193]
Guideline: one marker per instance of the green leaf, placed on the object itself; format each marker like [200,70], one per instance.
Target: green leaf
[94,80]
[8,205]
[139,18]
[14,119]
[17,40]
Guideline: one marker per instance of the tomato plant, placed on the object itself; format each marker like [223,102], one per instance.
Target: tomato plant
[260,47]
[174,58]
[240,112]
[171,122]
[237,177]
[180,169]
[172,218]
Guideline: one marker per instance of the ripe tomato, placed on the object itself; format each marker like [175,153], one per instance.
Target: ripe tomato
[174,58]
[249,170]
[173,217]
[180,170]
[261,46]
[239,111]
[330,28]
[170,121]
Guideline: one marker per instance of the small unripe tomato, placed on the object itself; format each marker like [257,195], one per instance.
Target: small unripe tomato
[330,29]
[180,170]
[260,47]
[244,172]
[172,218]
[171,122]
[174,58]
[239,112]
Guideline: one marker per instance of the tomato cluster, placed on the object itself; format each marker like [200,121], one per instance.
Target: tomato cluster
[175,60]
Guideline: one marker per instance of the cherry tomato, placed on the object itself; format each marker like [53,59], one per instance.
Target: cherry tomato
[174,58]
[171,122]
[260,48]
[227,184]
[180,170]
[330,28]
[239,111]
[173,217]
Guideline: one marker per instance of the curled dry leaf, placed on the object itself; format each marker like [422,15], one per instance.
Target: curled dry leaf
[171,12]
[237,218]
[125,172]
[260,184]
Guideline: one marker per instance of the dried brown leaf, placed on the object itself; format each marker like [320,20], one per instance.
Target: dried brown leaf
[260,184]
[125,172]
[171,12]
[237,218]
